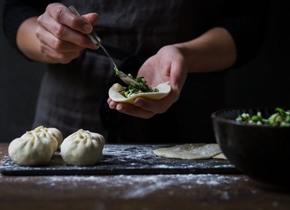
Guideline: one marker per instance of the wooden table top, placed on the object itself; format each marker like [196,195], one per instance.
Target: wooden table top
[168,191]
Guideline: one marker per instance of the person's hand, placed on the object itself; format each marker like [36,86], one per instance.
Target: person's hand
[62,34]
[167,65]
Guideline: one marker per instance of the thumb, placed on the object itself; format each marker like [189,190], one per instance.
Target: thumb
[92,18]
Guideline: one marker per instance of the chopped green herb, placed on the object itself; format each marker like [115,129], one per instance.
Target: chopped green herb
[135,89]
[279,118]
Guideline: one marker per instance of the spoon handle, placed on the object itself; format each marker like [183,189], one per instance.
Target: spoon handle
[96,40]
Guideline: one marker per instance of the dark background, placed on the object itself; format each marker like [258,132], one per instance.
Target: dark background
[263,82]
[19,84]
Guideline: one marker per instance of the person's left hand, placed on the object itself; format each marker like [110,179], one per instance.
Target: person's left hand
[167,65]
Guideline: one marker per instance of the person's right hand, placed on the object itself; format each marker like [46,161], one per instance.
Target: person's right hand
[62,34]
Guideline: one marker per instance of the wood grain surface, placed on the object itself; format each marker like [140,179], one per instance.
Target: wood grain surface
[128,192]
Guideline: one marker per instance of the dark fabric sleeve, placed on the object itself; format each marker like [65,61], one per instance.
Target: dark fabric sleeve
[16,11]
[247,22]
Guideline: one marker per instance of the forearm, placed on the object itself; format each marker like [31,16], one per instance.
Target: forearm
[214,50]
[19,24]
[27,41]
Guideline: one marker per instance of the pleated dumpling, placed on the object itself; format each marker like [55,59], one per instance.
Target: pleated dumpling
[35,147]
[82,148]
[54,135]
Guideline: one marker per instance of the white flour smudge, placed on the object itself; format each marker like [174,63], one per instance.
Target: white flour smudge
[137,186]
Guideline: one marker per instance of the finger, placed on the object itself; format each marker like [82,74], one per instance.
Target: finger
[63,15]
[154,106]
[55,43]
[112,104]
[92,18]
[129,109]
[64,29]
[135,111]
[53,56]
[64,33]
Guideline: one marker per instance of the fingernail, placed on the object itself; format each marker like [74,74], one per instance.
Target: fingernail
[119,107]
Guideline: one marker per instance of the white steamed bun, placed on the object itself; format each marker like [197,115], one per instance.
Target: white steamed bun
[82,148]
[35,147]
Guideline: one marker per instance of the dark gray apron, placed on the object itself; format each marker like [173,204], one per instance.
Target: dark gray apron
[74,95]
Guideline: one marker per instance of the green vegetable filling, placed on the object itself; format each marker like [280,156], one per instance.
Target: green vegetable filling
[279,118]
[135,89]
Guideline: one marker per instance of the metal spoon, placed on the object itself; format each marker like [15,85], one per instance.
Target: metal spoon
[96,40]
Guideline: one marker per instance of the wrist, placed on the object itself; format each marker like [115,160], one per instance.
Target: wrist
[27,42]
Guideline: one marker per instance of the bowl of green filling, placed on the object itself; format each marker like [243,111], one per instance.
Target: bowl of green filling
[257,142]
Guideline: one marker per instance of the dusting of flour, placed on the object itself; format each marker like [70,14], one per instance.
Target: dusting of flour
[137,186]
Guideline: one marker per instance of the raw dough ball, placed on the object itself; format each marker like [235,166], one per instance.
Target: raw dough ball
[82,148]
[35,147]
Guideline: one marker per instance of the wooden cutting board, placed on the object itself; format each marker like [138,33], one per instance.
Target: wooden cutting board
[123,159]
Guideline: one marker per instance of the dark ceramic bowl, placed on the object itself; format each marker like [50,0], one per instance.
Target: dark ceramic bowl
[261,152]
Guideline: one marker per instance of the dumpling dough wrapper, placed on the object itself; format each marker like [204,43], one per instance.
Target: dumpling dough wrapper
[190,151]
[114,93]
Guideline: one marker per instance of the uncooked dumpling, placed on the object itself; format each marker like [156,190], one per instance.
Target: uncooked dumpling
[114,93]
[82,148]
[53,134]
[35,147]
[189,151]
